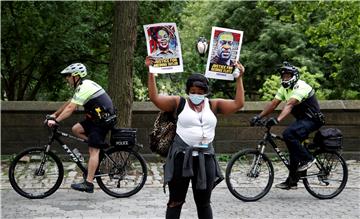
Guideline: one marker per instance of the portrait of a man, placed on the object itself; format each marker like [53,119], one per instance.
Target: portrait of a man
[224,47]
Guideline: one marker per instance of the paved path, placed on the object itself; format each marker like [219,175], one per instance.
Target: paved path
[150,202]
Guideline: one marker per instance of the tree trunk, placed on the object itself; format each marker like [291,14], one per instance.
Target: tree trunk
[121,59]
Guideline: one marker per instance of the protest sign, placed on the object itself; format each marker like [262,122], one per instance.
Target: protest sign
[225,45]
[163,44]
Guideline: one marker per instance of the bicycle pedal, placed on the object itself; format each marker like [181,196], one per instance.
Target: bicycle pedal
[322,183]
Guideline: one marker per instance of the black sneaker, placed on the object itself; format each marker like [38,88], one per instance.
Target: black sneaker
[306,165]
[286,185]
[83,187]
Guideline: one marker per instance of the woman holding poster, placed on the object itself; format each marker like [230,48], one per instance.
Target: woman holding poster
[191,156]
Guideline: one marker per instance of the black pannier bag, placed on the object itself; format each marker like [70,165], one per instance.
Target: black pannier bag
[123,136]
[329,139]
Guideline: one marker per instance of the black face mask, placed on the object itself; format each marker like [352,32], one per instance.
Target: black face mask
[289,83]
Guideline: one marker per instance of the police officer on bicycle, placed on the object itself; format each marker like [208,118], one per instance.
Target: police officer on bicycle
[100,117]
[302,103]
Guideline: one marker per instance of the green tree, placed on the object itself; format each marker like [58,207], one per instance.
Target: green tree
[39,39]
[337,34]
[331,28]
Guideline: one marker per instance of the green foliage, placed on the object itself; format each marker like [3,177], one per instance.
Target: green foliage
[140,91]
[337,34]
[39,39]
[332,30]
[224,157]
[270,87]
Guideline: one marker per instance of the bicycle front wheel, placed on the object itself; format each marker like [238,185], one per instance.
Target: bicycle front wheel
[122,172]
[327,178]
[249,175]
[35,173]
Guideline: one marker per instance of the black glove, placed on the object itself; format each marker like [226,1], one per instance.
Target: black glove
[47,118]
[254,120]
[271,122]
[50,117]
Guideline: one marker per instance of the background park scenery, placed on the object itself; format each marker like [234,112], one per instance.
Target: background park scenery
[39,39]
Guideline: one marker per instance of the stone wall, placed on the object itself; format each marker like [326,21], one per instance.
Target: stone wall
[22,126]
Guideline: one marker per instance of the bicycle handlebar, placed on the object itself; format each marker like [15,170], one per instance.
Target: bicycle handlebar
[260,122]
[49,117]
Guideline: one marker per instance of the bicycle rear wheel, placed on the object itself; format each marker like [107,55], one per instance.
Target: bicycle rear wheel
[35,173]
[249,175]
[328,177]
[122,172]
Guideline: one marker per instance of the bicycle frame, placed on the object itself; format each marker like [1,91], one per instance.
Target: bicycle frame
[268,137]
[55,136]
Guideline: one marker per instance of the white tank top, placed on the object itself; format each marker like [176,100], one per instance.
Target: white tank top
[193,126]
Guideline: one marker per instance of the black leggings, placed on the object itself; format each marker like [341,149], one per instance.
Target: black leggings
[179,185]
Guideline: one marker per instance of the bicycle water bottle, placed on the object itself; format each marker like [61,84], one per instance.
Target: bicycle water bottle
[78,154]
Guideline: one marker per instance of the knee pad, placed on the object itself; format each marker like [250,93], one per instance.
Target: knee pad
[175,204]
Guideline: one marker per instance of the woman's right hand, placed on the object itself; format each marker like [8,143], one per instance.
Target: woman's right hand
[149,61]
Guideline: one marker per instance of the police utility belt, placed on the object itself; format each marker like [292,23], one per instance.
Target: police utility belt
[102,116]
[314,115]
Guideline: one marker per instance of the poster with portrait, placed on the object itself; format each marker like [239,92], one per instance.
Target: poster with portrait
[225,45]
[163,44]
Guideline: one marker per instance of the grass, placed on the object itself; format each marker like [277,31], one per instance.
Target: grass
[7,158]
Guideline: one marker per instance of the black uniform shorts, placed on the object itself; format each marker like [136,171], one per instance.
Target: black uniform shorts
[96,134]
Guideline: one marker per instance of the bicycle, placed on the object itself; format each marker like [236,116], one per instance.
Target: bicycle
[250,172]
[121,173]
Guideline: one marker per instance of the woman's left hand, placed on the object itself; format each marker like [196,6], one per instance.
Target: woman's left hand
[239,70]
